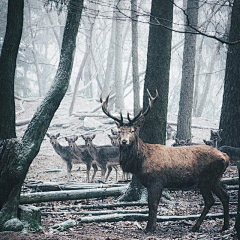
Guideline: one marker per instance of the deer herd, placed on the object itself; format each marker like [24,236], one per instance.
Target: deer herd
[184,164]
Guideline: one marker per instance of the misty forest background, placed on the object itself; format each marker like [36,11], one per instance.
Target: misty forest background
[188,50]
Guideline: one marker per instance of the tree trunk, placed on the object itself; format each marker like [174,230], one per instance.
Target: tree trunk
[34,52]
[188,67]
[7,68]
[110,61]
[17,155]
[230,114]
[157,72]
[135,71]
[119,100]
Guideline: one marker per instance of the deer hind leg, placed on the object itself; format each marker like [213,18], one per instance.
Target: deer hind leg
[109,171]
[116,170]
[154,195]
[69,169]
[224,198]
[95,169]
[208,202]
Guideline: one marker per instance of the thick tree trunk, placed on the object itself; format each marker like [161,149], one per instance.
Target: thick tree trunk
[157,72]
[188,68]
[230,113]
[7,68]
[17,155]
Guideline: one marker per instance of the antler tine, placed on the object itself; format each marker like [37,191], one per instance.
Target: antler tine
[131,121]
[107,112]
[150,101]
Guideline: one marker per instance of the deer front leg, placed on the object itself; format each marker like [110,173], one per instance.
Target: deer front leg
[109,171]
[103,172]
[95,168]
[88,171]
[154,195]
[69,168]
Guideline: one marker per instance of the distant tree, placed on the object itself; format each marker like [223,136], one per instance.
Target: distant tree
[135,69]
[230,113]
[184,121]
[156,78]
[17,154]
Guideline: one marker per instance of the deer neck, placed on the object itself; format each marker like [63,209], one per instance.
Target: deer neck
[57,147]
[92,150]
[132,157]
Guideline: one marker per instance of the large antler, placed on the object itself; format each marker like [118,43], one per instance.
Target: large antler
[141,113]
[107,112]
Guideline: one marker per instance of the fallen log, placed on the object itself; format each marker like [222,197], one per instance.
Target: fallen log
[70,195]
[58,186]
[144,217]
[230,181]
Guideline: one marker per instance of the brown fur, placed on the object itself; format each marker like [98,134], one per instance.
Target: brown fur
[157,167]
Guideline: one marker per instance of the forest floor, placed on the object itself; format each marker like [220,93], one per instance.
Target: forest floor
[183,202]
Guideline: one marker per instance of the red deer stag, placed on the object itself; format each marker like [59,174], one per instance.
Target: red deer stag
[158,166]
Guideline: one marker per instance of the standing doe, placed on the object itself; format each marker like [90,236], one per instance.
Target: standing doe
[82,155]
[63,151]
[158,167]
[106,157]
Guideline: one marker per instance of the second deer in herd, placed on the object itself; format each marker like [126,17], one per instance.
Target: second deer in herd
[158,166]
[106,157]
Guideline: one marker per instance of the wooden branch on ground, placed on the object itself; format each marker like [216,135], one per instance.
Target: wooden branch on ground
[22,122]
[144,217]
[70,195]
[230,181]
[99,206]
[96,213]
[55,186]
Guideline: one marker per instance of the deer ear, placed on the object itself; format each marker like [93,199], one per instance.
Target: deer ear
[48,135]
[66,139]
[93,136]
[188,140]
[76,138]
[176,140]
[83,137]
[58,135]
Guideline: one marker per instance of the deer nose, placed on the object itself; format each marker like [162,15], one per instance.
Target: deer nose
[124,141]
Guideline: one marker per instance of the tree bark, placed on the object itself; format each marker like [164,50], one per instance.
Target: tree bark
[135,70]
[119,100]
[188,68]
[7,68]
[230,114]
[157,72]
[18,154]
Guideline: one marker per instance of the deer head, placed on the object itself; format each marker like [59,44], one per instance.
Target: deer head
[53,138]
[127,130]
[88,139]
[71,140]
